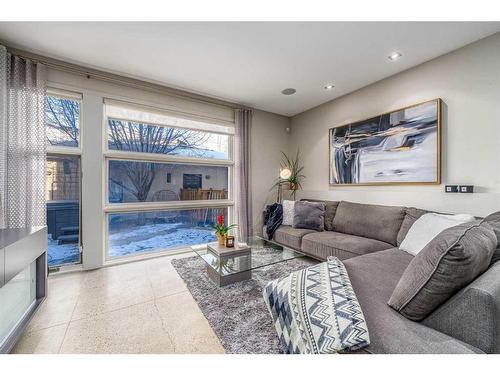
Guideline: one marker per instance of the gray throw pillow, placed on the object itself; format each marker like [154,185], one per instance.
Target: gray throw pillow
[449,262]
[494,221]
[309,215]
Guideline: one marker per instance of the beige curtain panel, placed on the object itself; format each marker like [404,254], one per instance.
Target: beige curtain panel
[243,125]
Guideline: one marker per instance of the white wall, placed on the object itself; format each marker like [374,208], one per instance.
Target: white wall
[269,138]
[468,81]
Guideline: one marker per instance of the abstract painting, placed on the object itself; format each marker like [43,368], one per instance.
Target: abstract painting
[399,147]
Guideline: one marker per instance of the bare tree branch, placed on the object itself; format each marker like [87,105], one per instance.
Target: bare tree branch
[138,137]
[62,116]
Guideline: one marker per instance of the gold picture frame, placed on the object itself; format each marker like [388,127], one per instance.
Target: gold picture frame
[406,132]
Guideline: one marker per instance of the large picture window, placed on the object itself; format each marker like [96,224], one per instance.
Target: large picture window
[168,177]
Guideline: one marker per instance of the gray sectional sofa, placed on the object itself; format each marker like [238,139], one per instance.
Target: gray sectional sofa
[366,238]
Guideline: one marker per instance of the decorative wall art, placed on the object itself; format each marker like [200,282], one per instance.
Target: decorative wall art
[399,147]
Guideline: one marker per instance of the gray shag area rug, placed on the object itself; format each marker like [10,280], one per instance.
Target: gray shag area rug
[237,312]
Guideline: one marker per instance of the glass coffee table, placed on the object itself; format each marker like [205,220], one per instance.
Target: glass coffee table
[225,269]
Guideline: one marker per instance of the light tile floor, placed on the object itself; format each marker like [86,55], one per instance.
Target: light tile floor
[140,307]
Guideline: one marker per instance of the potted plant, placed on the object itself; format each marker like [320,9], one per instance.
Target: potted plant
[291,173]
[221,229]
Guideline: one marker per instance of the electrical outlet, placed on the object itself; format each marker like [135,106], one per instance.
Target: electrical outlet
[466,188]
[451,188]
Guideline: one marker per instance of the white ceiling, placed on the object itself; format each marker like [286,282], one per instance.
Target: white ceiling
[249,63]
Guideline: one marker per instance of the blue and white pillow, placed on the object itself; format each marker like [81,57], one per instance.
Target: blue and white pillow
[315,310]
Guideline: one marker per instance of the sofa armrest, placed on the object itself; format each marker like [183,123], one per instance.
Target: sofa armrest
[473,314]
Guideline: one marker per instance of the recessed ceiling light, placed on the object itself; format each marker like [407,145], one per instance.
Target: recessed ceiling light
[289,91]
[329,87]
[394,56]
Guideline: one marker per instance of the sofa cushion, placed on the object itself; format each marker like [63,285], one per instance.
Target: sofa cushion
[321,245]
[449,262]
[309,215]
[494,221]
[330,210]
[371,221]
[373,278]
[411,215]
[291,237]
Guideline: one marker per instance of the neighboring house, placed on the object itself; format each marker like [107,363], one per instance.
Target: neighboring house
[168,177]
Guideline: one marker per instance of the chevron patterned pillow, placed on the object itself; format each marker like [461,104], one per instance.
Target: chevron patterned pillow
[315,310]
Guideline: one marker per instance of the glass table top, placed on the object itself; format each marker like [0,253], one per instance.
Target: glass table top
[262,253]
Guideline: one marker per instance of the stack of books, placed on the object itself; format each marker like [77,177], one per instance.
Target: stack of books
[223,251]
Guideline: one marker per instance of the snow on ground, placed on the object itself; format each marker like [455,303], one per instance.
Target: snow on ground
[161,236]
[62,254]
[126,241]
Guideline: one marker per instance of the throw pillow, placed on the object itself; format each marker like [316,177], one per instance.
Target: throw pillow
[494,221]
[315,310]
[428,226]
[288,210]
[412,214]
[330,211]
[309,215]
[448,263]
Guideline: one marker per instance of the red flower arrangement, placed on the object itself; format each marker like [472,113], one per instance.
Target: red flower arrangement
[220,220]
[221,228]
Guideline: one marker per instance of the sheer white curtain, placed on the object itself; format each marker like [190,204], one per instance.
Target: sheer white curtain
[22,141]
[243,125]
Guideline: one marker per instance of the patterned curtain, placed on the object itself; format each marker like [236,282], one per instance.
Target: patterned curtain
[243,189]
[22,141]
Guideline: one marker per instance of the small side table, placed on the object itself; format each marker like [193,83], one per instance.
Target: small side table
[239,256]
[229,265]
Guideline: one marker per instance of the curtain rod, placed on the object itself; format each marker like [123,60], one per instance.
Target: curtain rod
[119,79]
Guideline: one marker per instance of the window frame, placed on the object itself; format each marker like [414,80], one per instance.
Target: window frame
[113,208]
